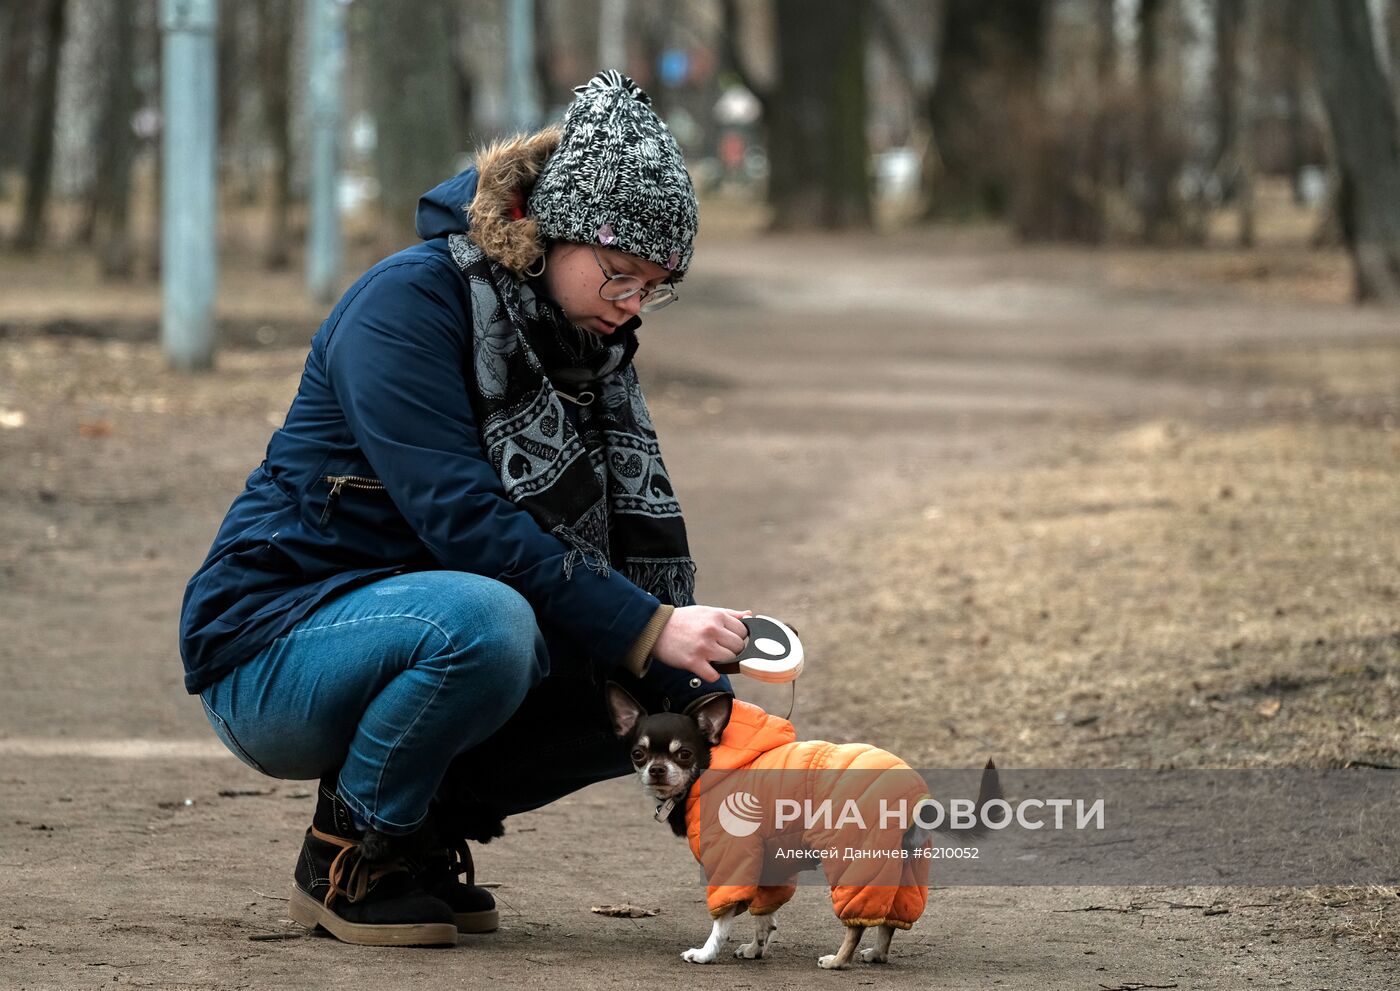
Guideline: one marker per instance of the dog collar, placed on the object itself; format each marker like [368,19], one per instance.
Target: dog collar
[664,809]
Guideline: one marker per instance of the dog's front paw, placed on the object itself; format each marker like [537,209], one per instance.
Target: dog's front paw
[830,962]
[752,951]
[697,956]
[873,955]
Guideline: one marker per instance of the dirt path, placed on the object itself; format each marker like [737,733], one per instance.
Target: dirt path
[1049,498]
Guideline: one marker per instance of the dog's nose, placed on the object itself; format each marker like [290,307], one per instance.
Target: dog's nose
[657,771]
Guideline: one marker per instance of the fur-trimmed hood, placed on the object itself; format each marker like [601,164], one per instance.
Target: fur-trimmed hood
[489,199]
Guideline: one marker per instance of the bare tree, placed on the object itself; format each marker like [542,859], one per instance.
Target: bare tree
[414,98]
[1107,164]
[1392,22]
[39,168]
[817,147]
[1154,166]
[1232,159]
[112,184]
[1228,14]
[814,112]
[1366,136]
[989,68]
[1295,120]
[276,23]
[18,27]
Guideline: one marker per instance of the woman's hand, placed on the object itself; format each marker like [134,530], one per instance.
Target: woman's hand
[697,636]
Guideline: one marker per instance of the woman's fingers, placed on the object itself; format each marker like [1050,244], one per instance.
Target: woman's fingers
[729,641]
[705,671]
[732,624]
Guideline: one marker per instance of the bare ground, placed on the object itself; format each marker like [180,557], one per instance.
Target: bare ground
[1061,509]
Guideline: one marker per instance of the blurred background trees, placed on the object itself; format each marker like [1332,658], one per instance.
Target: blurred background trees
[1156,122]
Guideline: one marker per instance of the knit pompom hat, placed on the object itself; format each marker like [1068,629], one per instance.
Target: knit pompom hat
[618,178]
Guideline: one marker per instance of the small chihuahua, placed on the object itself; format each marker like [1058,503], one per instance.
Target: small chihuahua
[670,751]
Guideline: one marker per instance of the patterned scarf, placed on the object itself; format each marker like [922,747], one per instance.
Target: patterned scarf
[603,490]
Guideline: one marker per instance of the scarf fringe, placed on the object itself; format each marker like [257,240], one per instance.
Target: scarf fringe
[580,550]
[674,576]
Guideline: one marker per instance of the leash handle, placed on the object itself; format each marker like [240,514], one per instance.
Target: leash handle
[772,654]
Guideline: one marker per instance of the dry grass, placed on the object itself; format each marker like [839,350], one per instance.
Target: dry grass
[1164,595]
[1210,594]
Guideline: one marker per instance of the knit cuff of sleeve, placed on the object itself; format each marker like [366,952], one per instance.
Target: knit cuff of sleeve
[638,659]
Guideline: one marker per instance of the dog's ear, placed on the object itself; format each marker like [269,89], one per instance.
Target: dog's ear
[712,713]
[624,709]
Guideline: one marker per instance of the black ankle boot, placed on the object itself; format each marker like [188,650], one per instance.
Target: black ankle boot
[355,885]
[447,874]
[444,868]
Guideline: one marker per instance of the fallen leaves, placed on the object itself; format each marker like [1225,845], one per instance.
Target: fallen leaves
[625,911]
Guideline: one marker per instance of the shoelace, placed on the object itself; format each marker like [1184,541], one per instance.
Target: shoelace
[361,874]
[459,862]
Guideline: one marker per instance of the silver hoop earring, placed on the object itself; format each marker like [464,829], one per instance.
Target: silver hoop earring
[536,274]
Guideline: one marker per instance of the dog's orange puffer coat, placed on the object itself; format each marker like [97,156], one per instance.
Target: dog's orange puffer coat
[759,753]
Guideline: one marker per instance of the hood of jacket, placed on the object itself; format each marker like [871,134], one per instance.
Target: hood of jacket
[489,200]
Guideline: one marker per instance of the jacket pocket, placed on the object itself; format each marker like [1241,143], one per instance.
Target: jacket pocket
[337,485]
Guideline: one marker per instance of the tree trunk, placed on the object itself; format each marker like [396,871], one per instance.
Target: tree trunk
[275,26]
[1237,40]
[414,100]
[1295,120]
[816,138]
[1228,14]
[1392,23]
[546,85]
[19,25]
[112,193]
[229,45]
[157,208]
[1107,170]
[39,170]
[1366,136]
[981,107]
[1248,39]
[1156,205]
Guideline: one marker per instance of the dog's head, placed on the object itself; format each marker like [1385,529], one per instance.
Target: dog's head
[669,749]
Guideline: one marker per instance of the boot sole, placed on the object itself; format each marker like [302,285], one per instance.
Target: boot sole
[307,911]
[486,921]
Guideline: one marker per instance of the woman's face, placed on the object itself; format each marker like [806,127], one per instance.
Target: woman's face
[573,275]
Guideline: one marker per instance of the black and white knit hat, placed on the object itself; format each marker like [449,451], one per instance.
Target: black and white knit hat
[617,178]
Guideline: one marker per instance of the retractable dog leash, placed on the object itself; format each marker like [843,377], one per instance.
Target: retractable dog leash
[773,655]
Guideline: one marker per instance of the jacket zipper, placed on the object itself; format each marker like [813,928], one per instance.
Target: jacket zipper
[339,482]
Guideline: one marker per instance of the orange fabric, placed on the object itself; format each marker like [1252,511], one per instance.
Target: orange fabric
[759,754]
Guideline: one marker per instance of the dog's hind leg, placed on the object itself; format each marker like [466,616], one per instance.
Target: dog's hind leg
[719,932]
[841,959]
[880,952]
[764,928]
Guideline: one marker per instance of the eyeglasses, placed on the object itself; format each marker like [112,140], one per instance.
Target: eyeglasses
[616,287]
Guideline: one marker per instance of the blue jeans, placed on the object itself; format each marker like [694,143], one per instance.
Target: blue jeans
[395,681]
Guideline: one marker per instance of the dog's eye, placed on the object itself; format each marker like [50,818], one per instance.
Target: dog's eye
[638,755]
[684,755]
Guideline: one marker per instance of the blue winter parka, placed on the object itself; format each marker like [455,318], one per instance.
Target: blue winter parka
[379,469]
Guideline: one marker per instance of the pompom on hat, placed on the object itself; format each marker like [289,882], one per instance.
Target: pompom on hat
[617,178]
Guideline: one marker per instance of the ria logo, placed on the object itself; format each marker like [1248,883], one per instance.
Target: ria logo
[740,813]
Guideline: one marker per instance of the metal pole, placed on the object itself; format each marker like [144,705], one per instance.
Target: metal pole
[520,74]
[189,214]
[325,36]
[612,35]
